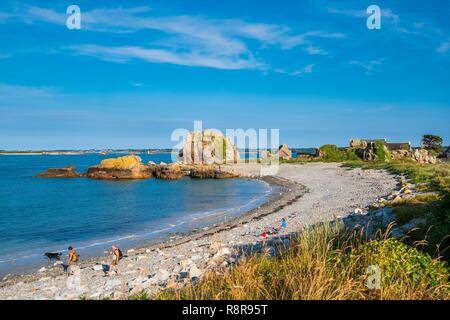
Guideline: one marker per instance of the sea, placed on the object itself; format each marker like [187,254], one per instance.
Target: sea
[39,215]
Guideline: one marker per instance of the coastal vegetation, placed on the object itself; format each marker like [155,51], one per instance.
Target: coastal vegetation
[431,205]
[331,152]
[327,262]
[432,143]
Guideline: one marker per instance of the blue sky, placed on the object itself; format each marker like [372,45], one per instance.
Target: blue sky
[137,70]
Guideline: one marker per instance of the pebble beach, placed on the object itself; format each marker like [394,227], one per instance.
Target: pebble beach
[310,193]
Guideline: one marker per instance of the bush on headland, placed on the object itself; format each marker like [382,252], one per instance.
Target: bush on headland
[327,263]
[330,152]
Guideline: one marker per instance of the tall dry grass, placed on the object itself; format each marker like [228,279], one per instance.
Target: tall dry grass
[326,263]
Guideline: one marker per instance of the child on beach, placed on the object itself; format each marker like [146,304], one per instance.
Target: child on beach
[283,225]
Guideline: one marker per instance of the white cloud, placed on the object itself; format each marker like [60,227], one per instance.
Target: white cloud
[386,13]
[307,69]
[194,59]
[186,40]
[369,66]
[348,12]
[316,51]
[48,15]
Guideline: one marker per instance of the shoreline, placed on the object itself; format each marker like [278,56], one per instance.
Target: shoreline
[309,194]
[172,239]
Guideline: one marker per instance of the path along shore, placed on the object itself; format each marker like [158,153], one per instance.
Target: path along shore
[310,194]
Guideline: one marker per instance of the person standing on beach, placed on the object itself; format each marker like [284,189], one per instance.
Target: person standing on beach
[117,256]
[283,225]
[72,260]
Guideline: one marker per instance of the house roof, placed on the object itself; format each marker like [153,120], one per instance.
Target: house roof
[397,145]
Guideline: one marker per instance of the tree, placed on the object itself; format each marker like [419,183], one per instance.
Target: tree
[432,142]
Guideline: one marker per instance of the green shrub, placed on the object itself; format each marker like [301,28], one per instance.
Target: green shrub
[400,261]
[352,155]
[330,152]
[383,154]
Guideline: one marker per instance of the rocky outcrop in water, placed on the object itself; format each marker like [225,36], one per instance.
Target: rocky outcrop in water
[128,167]
[67,172]
[208,147]
[211,172]
[131,167]
[168,172]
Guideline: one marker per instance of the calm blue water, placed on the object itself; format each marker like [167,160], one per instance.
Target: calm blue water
[46,215]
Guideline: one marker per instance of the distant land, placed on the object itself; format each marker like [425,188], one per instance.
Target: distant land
[81,152]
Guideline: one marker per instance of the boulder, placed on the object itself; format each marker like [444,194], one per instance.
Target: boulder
[423,156]
[208,147]
[168,172]
[128,167]
[67,172]
[160,277]
[195,272]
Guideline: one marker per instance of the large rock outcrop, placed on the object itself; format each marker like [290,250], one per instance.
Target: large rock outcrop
[128,167]
[208,147]
[67,172]
[417,155]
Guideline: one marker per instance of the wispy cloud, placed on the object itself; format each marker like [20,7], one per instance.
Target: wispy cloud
[296,73]
[10,90]
[388,15]
[316,51]
[188,40]
[307,69]
[193,58]
[369,66]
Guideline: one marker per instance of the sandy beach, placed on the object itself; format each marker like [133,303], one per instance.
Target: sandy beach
[310,193]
